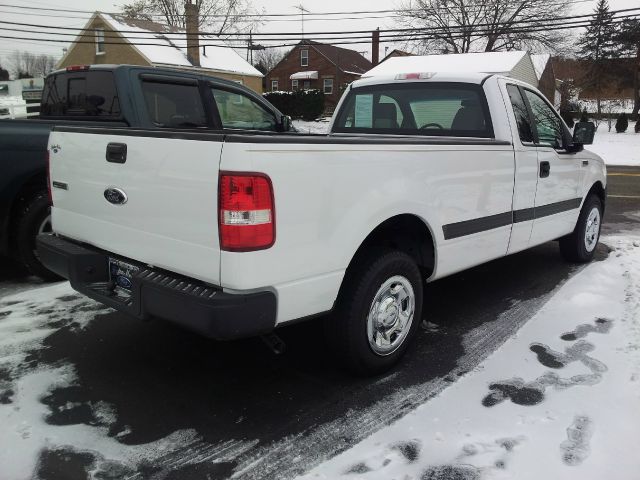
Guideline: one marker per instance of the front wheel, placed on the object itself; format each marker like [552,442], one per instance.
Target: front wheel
[580,245]
[378,311]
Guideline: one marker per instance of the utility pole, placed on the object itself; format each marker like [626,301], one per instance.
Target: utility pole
[302,12]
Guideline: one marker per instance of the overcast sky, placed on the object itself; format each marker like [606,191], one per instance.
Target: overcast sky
[312,23]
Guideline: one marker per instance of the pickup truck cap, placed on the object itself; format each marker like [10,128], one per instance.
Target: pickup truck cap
[476,78]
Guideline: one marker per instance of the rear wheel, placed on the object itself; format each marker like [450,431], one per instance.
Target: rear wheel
[580,246]
[34,220]
[378,311]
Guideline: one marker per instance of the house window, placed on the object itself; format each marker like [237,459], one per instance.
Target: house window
[328,86]
[306,85]
[99,41]
[304,58]
[294,85]
[274,85]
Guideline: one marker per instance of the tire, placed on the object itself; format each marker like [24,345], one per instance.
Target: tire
[35,218]
[350,328]
[580,246]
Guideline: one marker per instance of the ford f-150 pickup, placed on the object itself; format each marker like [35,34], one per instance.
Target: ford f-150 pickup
[87,95]
[235,232]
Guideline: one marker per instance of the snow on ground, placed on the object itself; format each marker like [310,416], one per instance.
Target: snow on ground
[558,400]
[27,432]
[617,148]
[319,126]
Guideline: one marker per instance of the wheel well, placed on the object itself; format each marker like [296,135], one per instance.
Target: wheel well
[406,233]
[37,183]
[598,189]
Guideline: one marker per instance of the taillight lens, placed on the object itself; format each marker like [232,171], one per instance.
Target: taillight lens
[247,212]
[49,178]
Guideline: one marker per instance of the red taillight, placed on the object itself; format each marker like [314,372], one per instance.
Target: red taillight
[246,212]
[76,68]
[49,178]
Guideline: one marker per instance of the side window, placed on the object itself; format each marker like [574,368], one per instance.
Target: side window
[304,58]
[240,111]
[83,94]
[521,113]
[546,121]
[174,105]
[274,85]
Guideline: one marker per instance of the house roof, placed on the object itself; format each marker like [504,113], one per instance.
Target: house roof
[343,58]
[540,63]
[172,49]
[396,53]
[485,62]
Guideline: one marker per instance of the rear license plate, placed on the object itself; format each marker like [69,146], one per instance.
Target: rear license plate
[122,274]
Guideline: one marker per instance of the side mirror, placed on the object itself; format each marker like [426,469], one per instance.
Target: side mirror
[583,133]
[285,123]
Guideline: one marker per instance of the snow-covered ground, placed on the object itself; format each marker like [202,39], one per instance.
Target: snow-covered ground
[615,148]
[559,400]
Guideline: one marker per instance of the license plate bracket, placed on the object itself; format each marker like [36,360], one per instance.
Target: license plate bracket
[121,275]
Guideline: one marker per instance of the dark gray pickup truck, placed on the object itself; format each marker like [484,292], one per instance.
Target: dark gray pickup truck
[104,95]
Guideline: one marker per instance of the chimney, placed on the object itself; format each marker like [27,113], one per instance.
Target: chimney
[193,39]
[375,47]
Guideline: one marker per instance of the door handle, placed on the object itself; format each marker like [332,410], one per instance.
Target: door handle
[117,152]
[545,169]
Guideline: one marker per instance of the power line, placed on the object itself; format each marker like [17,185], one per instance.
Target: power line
[350,40]
[263,15]
[274,35]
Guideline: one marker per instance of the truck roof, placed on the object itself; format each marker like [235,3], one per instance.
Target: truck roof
[404,77]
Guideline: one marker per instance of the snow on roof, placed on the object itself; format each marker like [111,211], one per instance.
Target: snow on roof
[540,63]
[485,62]
[172,49]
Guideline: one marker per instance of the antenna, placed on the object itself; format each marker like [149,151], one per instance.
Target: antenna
[302,12]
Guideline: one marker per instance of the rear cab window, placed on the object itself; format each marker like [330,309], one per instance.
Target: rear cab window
[443,109]
[81,94]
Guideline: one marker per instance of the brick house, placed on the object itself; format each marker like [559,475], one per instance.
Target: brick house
[314,65]
[114,39]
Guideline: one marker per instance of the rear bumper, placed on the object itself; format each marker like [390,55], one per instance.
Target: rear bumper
[156,293]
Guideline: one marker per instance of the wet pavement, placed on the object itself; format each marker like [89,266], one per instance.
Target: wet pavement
[264,416]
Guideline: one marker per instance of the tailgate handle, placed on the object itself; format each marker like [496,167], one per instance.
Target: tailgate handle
[117,152]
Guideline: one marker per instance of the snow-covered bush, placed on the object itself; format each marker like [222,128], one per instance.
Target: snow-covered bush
[622,123]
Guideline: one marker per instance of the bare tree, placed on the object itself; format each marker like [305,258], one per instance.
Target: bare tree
[267,59]
[220,16]
[462,26]
[24,64]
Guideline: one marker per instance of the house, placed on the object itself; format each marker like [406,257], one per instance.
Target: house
[547,82]
[396,53]
[113,39]
[619,88]
[314,65]
[515,64]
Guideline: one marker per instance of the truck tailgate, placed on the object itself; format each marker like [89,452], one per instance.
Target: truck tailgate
[162,205]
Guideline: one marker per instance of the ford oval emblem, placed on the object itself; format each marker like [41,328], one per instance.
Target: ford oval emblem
[123,282]
[115,195]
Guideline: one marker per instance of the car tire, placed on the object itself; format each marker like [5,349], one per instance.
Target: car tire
[377,313]
[34,219]
[580,246]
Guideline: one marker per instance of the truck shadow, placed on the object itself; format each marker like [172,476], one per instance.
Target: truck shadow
[158,378]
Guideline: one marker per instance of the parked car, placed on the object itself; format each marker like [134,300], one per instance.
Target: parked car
[109,96]
[235,233]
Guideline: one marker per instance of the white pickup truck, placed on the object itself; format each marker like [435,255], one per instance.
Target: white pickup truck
[235,229]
